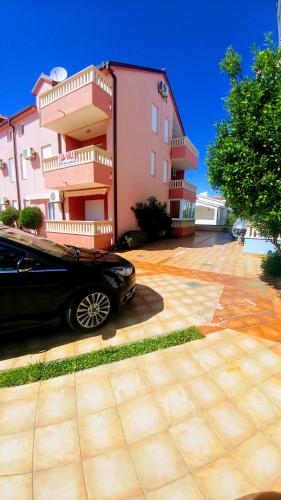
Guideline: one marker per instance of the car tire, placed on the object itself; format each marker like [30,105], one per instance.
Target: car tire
[89,310]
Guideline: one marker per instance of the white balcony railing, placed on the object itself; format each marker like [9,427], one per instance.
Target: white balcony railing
[75,82]
[181,183]
[254,233]
[184,141]
[77,157]
[182,223]
[81,227]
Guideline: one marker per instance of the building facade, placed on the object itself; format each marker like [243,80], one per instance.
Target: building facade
[210,210]
[91,147]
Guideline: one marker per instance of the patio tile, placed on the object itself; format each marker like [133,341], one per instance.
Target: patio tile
[260,459]
[175,403]
[94,396]
[157,461]
[228,351]
[141,417]
[182,489]
[87,345]
[56,406]
[60,352]
[270,360]
[65,483]
[55,445]
[16,453]
[248,344]
[253,370]
[158,375]
[58,383]
[273,432]
[208,358]
[223,479]
[230,424]
[127,385]
[16,487]
[100,432]
[257,407]
[205,392]
[91,374]
[197,442]
[17,415]
[112,475]
[184,366]
[230,379]
[150,358]
[272,389]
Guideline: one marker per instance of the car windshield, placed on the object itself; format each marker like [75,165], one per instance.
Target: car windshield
[36,242]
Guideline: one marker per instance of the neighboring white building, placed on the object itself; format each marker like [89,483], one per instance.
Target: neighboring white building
[210,210]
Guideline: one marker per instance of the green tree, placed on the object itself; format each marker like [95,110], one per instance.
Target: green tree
[153,218]
[10,216]
[31,218]
[244,161]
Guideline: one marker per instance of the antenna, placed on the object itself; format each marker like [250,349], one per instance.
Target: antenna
[58,74]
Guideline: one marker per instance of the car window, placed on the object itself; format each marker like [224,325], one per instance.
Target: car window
[9,258]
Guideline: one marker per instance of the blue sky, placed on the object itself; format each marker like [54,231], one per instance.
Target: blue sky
[186,37]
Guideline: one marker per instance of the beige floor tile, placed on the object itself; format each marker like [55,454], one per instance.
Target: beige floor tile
[158,375]
[227,350]
[60,352]
[56,445]
[21,391]
[208,358]
[16,453]
[141,417]
[197,442]
[127,385]
[112,475]
[17,415]
[6,364]
[87,345]
[270,360]
[230,380]
[94,396]
[253,370]
[257,407]
[276,487]
[260,459]
[175,403]
[157,461]
[64,483]
[91,374]
[57,383]
[17,487]
[184,366]
[229,423]
[122,366]
[272,389]
[100,432]
[248,344]
[56,406]
[204,391]
[22,361]
[182,489]
[151,358]
[273,432]
[224,480]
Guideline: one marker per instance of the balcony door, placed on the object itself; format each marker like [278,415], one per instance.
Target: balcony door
[94,210]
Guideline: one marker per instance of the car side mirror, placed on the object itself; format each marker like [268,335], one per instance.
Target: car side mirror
[25,264]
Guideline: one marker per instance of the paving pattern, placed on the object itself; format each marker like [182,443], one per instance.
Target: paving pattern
[197,421]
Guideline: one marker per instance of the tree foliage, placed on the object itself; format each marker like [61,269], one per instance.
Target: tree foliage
[31,218]
[153,218]
[10,216]
[244,161]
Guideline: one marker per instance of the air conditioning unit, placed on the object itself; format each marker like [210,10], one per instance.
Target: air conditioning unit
[163,89]
[2,164]
[55,196]
[3,200]
[28,153]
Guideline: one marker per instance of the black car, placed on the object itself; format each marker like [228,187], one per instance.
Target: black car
[41,280]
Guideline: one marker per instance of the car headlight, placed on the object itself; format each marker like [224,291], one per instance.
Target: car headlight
[122,270]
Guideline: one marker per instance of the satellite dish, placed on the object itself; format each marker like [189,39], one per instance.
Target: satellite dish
[58,74]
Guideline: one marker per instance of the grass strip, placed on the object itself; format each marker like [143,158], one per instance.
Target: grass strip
[46,370]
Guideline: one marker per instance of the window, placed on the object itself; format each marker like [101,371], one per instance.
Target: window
[11,168]
[152,163]
[166,131]
[188,210]
[51,211]
[10,135]
[23,167]
[26,203]
[9,258]
[21,129]
[154,118]
[15,204]
[46,151]
[165,172]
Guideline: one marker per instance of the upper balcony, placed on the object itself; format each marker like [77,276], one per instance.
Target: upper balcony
[81,100]
[78,169]
[183,153]
[181,189]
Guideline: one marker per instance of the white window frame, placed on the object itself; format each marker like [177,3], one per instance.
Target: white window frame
[166,131]
[165,172]
[11,169]
[15,204]
[154,118]
[23,163]
[9,135]
[26,203]
[51,210]
[153,163]
[42,151]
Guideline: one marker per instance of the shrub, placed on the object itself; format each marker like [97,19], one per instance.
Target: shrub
[272,263]
[153,218]
[31,218]
[10,216]
[132,239]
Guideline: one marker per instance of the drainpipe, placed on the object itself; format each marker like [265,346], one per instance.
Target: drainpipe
[114,77]
[16,163]
[62,199]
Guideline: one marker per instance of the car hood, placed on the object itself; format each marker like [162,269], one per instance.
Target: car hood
[99,256]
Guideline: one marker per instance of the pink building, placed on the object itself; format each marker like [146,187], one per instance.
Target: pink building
[94,145]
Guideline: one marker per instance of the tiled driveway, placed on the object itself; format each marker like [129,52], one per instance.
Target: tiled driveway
[204,280]
[201,420]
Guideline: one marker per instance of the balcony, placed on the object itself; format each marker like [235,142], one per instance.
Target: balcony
[183,153]
[82,100]
[183,227]
[78,169]
[85,234]
[181,189]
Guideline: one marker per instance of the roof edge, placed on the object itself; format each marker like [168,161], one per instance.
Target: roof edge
[18,113]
